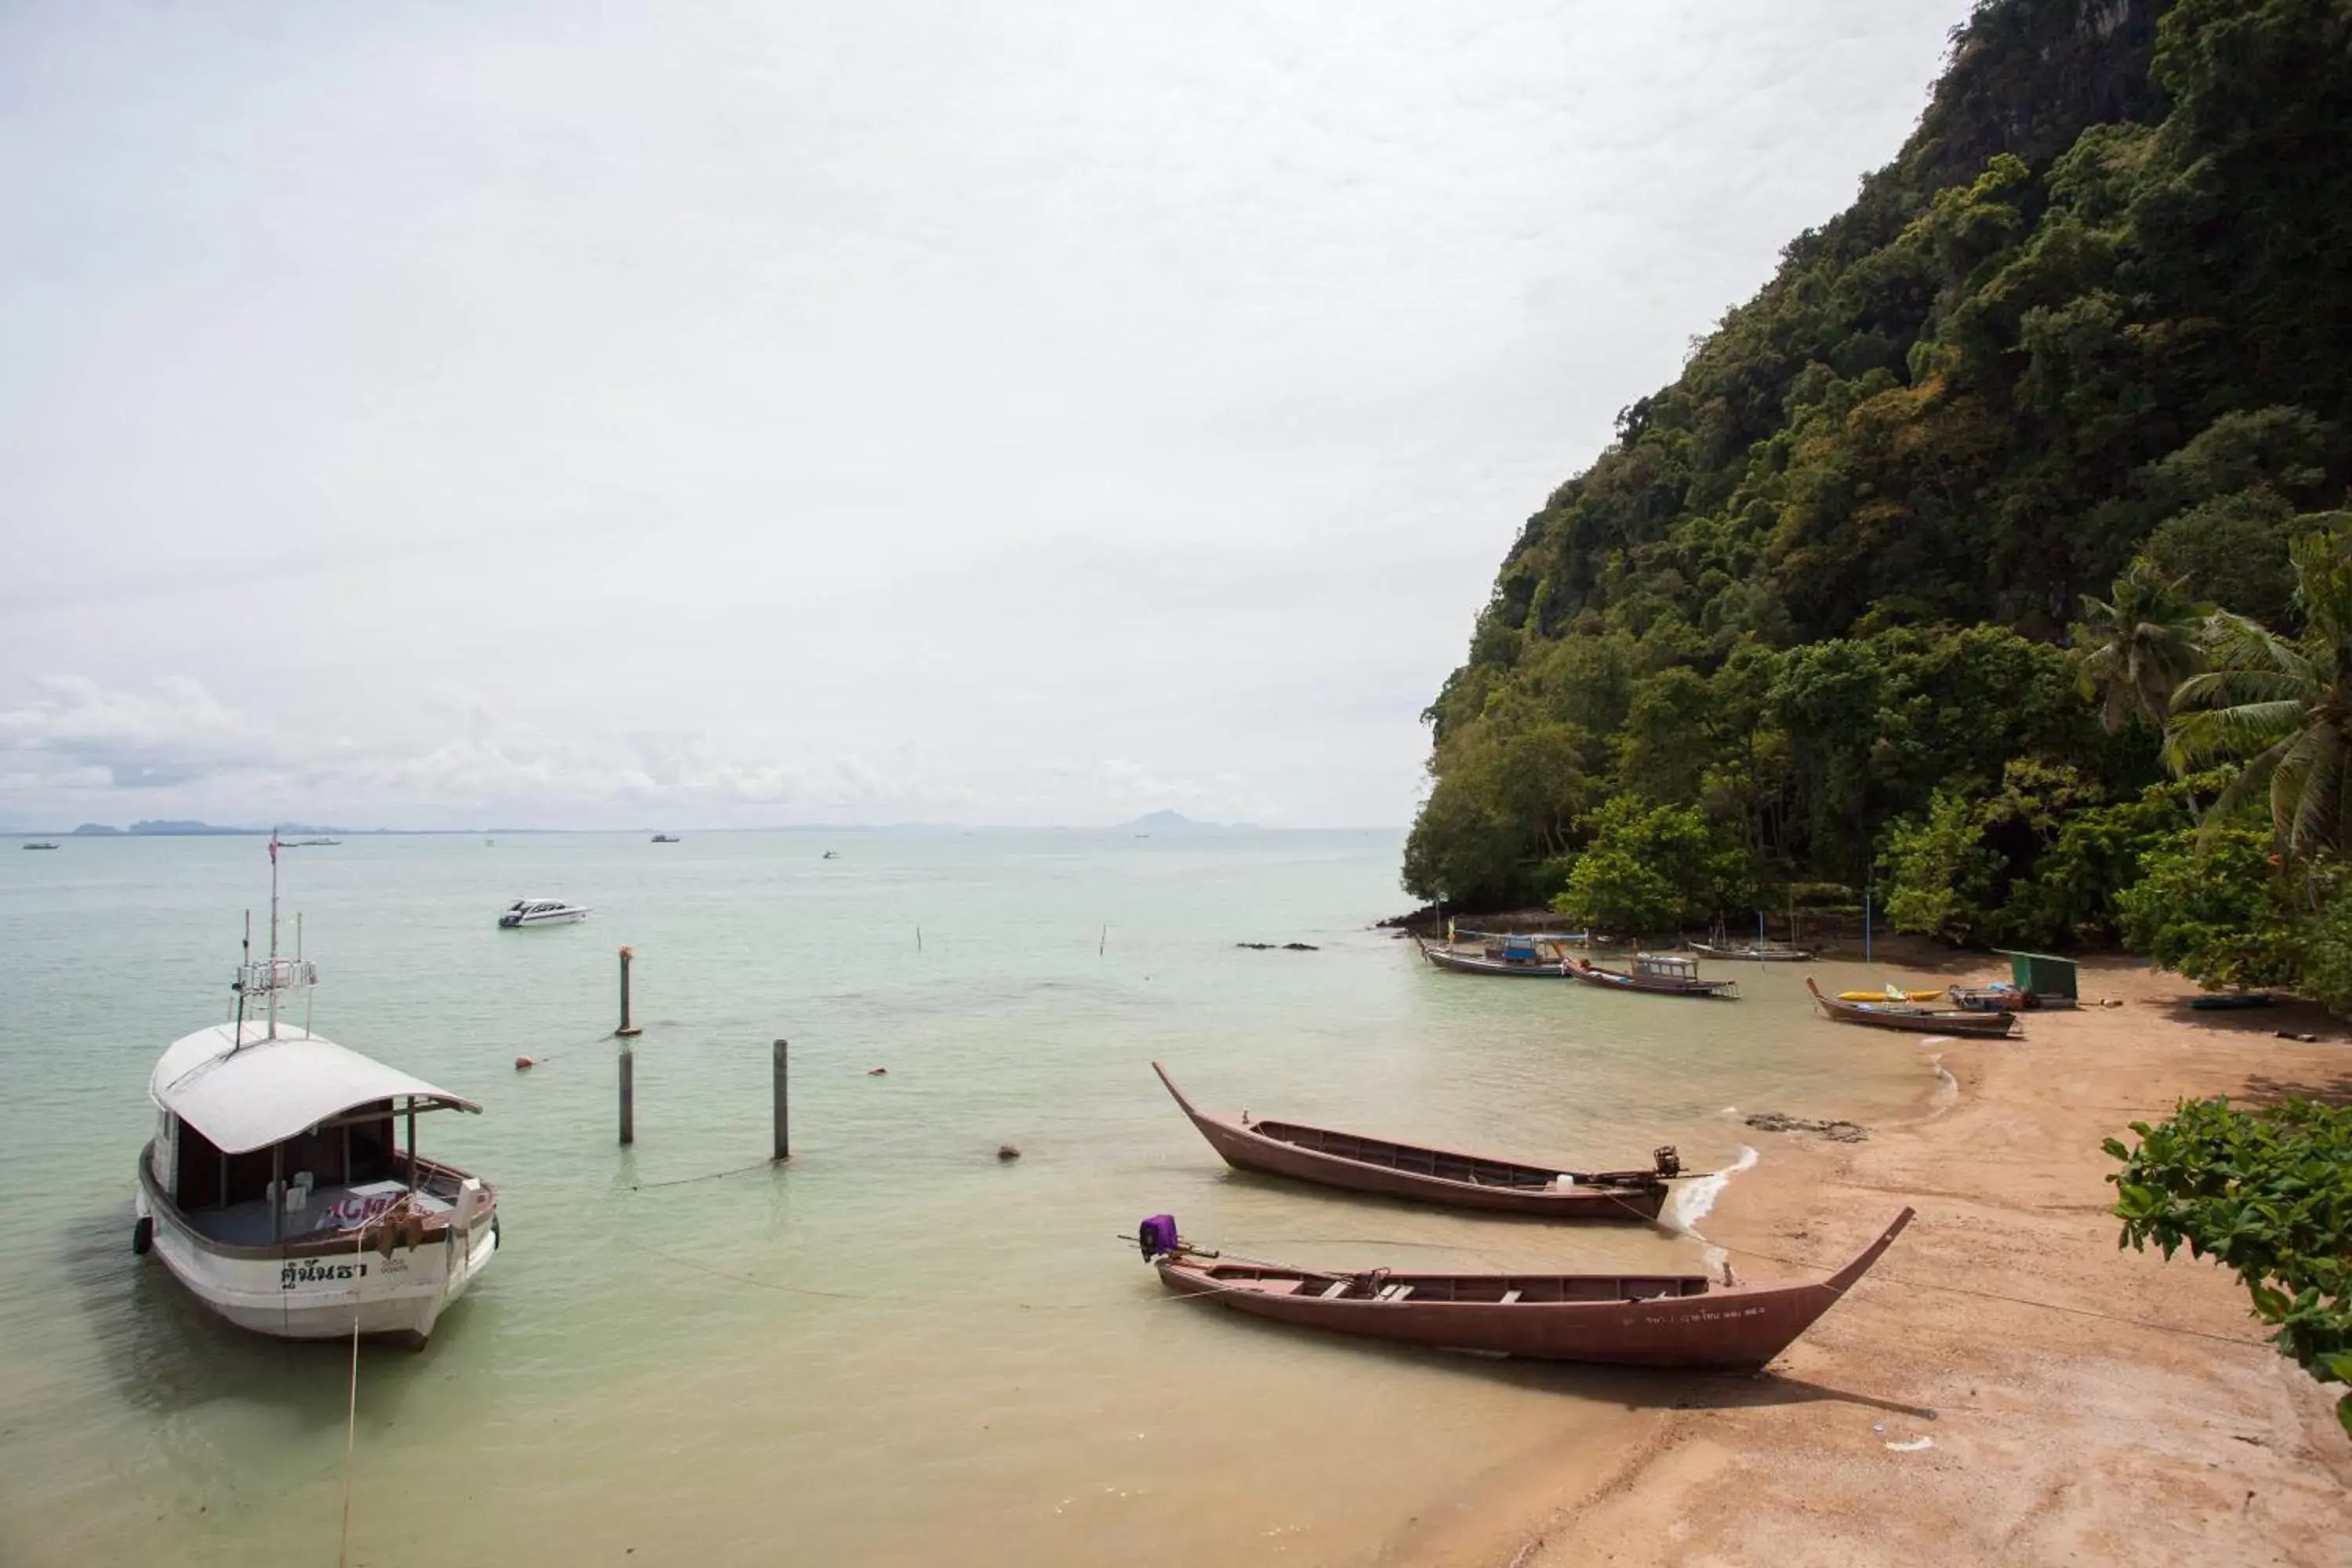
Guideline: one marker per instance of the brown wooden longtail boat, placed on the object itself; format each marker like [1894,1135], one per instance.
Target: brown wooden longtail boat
[1657,974]
[1429,1176]
[1914,1020]
[1497,960]
[1652,1320]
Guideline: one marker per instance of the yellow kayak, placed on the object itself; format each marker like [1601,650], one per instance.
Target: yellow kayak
[1891,994]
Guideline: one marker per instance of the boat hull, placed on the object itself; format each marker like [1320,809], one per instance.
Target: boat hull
[1751,954]
[1647,986]
[1246,1149]
[1473,963]
[1735,1329]
[1987,1026]
[314,1290]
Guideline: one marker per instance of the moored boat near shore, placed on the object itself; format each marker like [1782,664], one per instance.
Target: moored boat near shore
[276,1190]
[1540,954]
[1537,958]
[1657,1320]
[1386,1169]
[1917,1020]
[1751,952]
[1657,974]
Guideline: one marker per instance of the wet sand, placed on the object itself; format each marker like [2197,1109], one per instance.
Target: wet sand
[2052,1433]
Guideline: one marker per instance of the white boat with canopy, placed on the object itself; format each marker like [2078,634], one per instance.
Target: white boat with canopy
[277,1188]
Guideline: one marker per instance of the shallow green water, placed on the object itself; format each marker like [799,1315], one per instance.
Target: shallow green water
[897,1348]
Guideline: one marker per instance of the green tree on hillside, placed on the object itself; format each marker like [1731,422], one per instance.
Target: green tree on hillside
[2209,905]
[2135,647]
[1651,868]
[2282,706]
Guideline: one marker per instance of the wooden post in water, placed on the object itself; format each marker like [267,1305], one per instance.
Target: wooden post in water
[628,1096]
[628,1029]
[782,1104]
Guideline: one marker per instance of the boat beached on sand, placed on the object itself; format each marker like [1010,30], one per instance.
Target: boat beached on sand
[1654,1319]
[276,1189]
[1429,1176]
[1758,952]
[1917,1020]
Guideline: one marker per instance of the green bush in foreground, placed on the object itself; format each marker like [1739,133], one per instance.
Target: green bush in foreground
[2267,1194]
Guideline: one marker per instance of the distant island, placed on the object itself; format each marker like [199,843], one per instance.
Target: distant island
[1173,822]
[177,829]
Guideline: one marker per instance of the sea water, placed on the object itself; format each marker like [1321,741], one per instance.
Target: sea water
[899,1348]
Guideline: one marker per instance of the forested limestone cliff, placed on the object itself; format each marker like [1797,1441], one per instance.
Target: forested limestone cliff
[1830,584]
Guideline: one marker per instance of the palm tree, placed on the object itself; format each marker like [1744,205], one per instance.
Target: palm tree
[2137,647]
[2282,705]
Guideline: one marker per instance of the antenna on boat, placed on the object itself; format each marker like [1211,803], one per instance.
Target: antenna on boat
[297,969]
[273,934]
[295,974]
[237,1038]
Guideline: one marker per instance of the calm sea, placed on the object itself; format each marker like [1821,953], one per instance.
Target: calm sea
[897,1348]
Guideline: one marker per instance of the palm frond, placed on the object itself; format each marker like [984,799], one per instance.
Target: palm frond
[2210,734]
[2316,772]
[2255,776]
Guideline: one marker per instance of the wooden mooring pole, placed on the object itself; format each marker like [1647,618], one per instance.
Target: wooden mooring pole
[628,1029]
[628,1097]
[783,1103]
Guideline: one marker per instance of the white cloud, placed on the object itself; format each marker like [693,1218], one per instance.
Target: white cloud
[178,752]
[631,413]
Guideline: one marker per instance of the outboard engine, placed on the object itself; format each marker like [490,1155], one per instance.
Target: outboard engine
[1157,1236]
[1669,1160]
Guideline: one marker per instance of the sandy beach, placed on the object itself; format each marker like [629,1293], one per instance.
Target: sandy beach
[2130,1414]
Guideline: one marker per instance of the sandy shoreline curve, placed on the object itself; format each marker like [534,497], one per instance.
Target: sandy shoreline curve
[2008,1387]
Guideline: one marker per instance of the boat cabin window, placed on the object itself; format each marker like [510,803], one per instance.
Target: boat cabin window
[1661,964]
[356,1153]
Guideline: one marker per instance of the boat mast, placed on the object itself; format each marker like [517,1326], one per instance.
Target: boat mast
[273,934]
[237,1038]
[277,974]
[297,969]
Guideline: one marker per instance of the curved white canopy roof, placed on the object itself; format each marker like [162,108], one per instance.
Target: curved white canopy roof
[270,1090]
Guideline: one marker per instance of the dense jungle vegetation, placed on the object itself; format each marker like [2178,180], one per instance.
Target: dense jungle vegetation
[1993,554]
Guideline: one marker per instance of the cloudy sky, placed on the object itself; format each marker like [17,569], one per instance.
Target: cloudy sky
[612,414]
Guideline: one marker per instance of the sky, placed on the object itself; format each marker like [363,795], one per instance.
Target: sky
[607,414]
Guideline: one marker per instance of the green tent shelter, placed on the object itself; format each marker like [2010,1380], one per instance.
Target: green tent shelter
[2051,981]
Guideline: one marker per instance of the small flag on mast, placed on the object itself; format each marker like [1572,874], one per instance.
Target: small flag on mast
[273,847]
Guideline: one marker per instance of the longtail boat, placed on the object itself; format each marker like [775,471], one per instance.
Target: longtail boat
[1752,952]
[1657,974]
[1540,955]
[1914,1020]
[1651,1319]
[1375,1165]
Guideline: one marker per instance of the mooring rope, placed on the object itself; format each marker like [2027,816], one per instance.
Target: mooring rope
[351,1409]
[571,1046]
[401,1207]
[705,1176]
